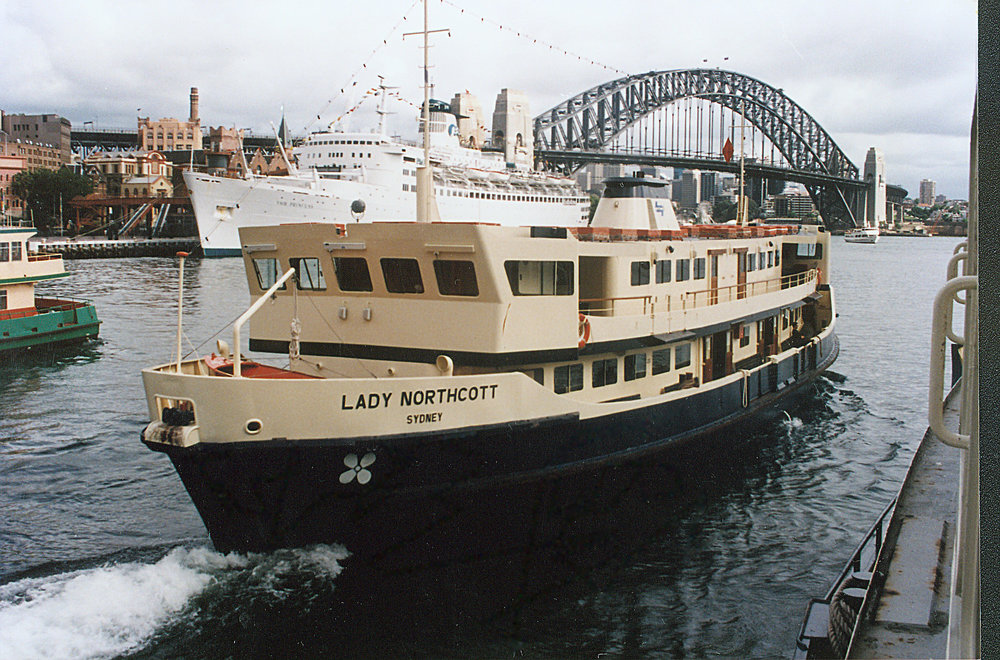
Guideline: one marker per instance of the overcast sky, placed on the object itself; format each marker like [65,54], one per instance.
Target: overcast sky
[897,75]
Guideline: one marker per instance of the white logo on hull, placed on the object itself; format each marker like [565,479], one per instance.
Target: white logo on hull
[356,468]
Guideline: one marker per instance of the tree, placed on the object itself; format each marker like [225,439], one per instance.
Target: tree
[723,211]
[43,190]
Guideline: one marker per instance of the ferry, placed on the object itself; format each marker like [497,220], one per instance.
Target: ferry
[862,235]
[28,322]
[453,376]
[357,176]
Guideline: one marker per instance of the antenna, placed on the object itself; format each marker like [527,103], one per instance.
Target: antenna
[382,112]
[426,206]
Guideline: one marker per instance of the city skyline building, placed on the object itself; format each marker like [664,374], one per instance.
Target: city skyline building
[927,192]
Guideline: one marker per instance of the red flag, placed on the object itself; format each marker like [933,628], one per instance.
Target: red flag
[727,151]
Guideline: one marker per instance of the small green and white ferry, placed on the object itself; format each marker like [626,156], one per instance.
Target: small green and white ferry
[27,322]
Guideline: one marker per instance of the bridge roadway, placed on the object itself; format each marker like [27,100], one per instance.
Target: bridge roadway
[754,169]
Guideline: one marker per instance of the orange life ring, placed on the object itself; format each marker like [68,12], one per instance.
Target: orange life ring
[584,331]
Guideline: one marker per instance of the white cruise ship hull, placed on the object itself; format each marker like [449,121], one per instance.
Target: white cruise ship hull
[222,205]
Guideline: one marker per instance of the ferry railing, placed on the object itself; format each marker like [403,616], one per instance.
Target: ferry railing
[44,256]
[703,297]
[815,628]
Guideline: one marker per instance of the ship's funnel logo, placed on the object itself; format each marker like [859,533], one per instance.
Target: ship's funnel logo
[356,468]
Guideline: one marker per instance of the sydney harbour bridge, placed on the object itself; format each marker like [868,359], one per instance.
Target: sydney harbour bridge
[678,118]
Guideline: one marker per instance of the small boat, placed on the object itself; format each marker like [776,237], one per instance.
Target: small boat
[442,375]
[862,235]
[28,322]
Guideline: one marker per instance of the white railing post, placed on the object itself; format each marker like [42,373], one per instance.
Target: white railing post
[250,312]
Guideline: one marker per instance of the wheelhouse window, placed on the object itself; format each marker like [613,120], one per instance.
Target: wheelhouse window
[309,276]
[4,251]
[813,250]
[456,278]
[402,275]
[604,372]
[568,378]
[540,278]
[699,268]
[683,269]
[661,361]
[267,272]
[635,366]
[640,273]
[663,271]
[16,251]
[352,274]
[682,355]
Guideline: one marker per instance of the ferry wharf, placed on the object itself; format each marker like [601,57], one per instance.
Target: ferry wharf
[109,249]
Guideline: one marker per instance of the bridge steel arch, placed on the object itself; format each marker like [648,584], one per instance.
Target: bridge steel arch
[594,118]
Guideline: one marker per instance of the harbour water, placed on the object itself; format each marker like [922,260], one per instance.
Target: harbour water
[102,553]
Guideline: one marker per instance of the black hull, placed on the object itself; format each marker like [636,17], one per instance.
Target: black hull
[498,489]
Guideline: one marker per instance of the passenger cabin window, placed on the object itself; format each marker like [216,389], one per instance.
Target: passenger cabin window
[309,275]
[568,378]
[682,355]
[661,361]
[813,250]
[683,269]
[267,272]
[604,372]
[3,298]
[762,260]
[4,251]
[640,273]
[456,278]
[352,274]
[699,268]
[402,275]
[635,366]
[540,278]
[663,271]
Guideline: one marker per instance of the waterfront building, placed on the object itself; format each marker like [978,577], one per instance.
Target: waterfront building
[148,186]
[688,193]
[225,139]
[591,176]
[10,206]
[792,204]
[49,130]
[34,154]
[927,192]
[169,134]
[113,170]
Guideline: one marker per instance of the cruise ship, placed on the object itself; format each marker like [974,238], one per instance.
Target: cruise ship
[345,177]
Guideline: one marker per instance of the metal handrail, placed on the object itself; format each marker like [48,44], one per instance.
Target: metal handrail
[943,302]
[250,312]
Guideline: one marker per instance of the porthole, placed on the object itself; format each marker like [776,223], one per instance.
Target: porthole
[253,426]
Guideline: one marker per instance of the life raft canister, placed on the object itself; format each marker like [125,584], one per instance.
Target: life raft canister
[584,331]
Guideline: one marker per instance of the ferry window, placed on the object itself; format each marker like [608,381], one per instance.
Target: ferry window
[699,268]
[663,271]
[751,263]
[635,366]
[4,251]
[770,259]
[640,273]
[661,361]
[352,274]
[777,257]
[456,278]
[309,275]
[762,260]
[540,278]
[537,374]
[682,356]
[3,298]
[683,269]
[568,378]
[808,250]
[402,276]
[604,372]
[267,272]
[15,251]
